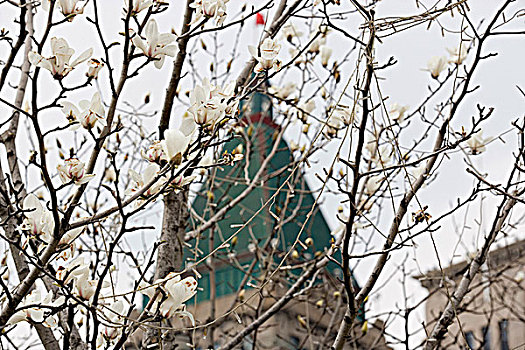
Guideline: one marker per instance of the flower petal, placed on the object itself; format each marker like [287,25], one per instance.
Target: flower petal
[83,57]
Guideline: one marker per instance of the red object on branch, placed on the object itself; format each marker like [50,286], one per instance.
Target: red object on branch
[259,19]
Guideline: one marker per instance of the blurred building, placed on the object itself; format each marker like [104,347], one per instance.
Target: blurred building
[235,272]
[492,315]
[230,279]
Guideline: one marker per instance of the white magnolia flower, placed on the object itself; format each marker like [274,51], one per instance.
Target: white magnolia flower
[344,114]
[90,112]
[70,8]
[45,4]
[326,53]
[458,54]
[295,53]
[205,163]
[76,268]
[39,221]
[436,65]
[289,32]
[33,307]
[179,182]
[226,95]
[178,292]
[78,271]
[154,152]
[73,170]
[294,146]
[209,104]
[338,118]
[58,64]
[371,144]
[157,45]
[70,236]
[205,110]
[138,6]
[381,155]
[266,55]
[284,92]
[67,253]
[86,288]
[397,112]
[94,67]
[315,46]
[373,184]
[112,320]
[303,111]
[339,229]
[110,175]
[187,126]
[477,143]
[419,170]
[139,181]
[215,9]
[174,143]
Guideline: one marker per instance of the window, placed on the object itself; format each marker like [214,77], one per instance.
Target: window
[295,342]
[471,341]
[486,337]
[504,334]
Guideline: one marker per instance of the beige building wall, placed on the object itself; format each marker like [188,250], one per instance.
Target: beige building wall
[496,302]
[283,331]
[290,327]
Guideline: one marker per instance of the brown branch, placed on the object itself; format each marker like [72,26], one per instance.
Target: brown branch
[177,71]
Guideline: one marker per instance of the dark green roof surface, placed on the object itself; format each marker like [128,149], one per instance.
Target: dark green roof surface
[257,114]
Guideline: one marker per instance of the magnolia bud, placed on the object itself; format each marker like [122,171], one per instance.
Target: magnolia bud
[364,328]
[306,127]
[301,320]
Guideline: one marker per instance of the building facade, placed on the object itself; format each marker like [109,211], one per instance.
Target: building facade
[232,278]
[492,315]
[244,278]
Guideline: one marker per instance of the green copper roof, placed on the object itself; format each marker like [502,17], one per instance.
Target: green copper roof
[229,182]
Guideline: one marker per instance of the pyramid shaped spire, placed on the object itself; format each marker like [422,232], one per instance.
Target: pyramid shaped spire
[260,230]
